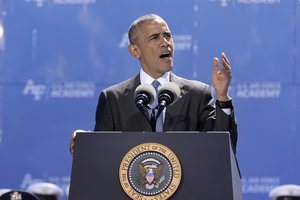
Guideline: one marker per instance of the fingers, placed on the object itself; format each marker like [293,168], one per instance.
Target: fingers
[73,139]
[225,63]
[72,143]
[215,65]
[74,135]
[72,147]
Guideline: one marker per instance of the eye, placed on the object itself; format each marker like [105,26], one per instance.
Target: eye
[168,35]
[153,37]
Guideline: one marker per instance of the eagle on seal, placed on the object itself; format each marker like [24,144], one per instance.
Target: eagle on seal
[151,175]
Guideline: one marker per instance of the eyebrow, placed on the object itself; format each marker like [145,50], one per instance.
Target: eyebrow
[153,35]
[157,34]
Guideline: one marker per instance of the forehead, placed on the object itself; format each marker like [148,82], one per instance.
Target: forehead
[154,26]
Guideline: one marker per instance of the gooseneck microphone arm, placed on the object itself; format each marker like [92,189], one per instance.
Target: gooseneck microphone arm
[167,95]
[143,107]
[141,101]
[165,98]
[143,96]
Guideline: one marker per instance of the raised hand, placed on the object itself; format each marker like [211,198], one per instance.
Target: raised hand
[221,77]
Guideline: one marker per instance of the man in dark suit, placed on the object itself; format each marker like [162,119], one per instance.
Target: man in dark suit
[152,44]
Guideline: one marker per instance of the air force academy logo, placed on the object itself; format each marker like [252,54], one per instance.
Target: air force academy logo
[150,171]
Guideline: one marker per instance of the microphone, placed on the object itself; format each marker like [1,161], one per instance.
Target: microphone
[144,94]
[167,95]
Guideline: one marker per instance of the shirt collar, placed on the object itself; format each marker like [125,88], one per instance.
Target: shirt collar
[147,79]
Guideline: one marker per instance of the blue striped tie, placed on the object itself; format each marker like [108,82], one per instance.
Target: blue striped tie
[159,122]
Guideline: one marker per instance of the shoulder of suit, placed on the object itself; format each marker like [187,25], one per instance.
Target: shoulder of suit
[187,83]
[122,86]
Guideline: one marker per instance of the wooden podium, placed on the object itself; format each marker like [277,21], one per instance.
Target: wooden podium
[208,165]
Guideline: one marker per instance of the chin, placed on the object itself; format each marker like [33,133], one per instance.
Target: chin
[170,68]
[166,68]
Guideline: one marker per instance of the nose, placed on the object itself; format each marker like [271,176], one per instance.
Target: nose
[165,42]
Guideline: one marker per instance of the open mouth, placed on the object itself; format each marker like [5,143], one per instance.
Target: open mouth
[166,55]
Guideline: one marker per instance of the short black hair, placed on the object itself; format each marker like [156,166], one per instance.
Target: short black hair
[135,26]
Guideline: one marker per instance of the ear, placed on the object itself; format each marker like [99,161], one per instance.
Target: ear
[134,50]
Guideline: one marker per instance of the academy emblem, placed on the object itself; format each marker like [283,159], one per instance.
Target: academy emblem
[150,171]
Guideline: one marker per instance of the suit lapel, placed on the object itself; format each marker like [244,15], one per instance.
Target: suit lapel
[129,96]
[175,109]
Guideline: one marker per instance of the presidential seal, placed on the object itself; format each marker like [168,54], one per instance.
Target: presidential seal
[150,171]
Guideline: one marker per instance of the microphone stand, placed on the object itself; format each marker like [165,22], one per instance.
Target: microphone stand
[145,111]
[153,120]
[154,117]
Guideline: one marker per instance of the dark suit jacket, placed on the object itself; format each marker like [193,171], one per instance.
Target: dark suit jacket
[194,110]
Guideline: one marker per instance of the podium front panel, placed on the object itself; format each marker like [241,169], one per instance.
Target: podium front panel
[206,161]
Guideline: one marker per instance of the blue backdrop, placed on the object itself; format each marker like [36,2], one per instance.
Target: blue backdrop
[57,55]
